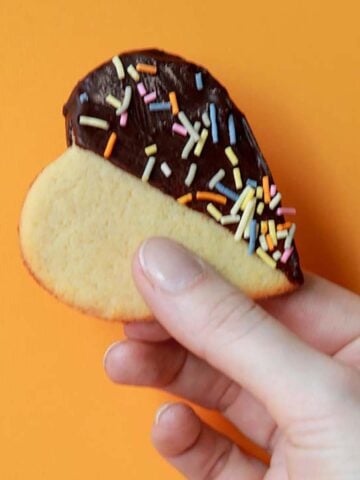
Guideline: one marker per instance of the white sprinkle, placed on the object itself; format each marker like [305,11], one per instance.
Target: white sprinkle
[189,127]
[126,101]
[236,207]
[94,122]
[191,175]
[229,219]
[245,219]
[289,239]
[281,234]
[260,208]
[206,120]
[166,170]
[148,169]
[263,243]
[201,143]
[276,255]
[190,144]
[216,178]
[247,231]
[275,201]
[134,74]
[113,101]
[259,192]
[119,67]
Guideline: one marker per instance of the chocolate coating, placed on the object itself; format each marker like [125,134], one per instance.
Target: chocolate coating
[145,128]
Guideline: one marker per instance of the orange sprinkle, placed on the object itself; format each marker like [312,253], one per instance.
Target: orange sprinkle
[146,68]
[214,197]
[265,182]
[185,198]
[110,145]
[269,242]
[174,103]
[283,226]
[264,227]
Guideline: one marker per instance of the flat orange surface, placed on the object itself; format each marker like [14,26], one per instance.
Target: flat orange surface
[293,69]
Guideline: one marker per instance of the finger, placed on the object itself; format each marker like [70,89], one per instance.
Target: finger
[218,323]
[167,365]
[146,331]
[197,451]
[323,314]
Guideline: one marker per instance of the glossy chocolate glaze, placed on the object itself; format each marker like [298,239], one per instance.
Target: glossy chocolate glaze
[145,128]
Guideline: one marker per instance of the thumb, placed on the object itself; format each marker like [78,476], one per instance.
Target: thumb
[213,319]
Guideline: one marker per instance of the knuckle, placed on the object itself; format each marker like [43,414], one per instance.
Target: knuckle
[219,465]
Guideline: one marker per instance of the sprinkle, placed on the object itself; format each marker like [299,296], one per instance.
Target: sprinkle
[287,254]
[201,143]
[199,81]
[231,128]
[272,231]
[259,192]
[263,243]
[214,127]
[266,188]
[151,149]
[275,201]
[237,178]
[229,152]
[269,242]
[113,101]
[150,97]
[276,255]
[247,232]
[187,124]
[226,191]
[146,68]
[174,103]
[214,212]
[260,208]
[190,144]
[229,219]
[281,234]
[236,207]
[159,106]
[252,241]
[110,145]
[205,119]
[249,196]
[265,257]
[133,73]
[84,97]
[123,119]
[289,239]
[185,199]
[283,226]
[219,175]
[93,122]
[166,170]
[252,183]
[247,217]
[126,101]
[264,227]
[141,89]
[212,197]
[177,128]
[118,67]
[273,190]
[286,211]
[191,174]
[148,169]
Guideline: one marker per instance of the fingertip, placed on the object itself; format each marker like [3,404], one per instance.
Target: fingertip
[111,359]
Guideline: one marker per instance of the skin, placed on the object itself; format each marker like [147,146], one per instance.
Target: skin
[286,373]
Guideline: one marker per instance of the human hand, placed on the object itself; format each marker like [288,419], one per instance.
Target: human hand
[292,385]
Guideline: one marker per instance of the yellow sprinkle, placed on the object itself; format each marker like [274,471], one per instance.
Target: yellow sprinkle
[113,101]
[118,67]
[146,68]
[215,197]
[260,208]
[133,73]
[214,212]
[174,103]
[272,231]
[200,144]
[274,202]
[110,145]
[263,243]
[185,199]
[248,197]
[264,227]
[259,192]
[94,122]
[245,219]
[231,156]
[151,149]
[236,207]
[265,257]
[237,178]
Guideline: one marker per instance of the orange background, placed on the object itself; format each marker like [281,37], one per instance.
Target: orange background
[293,69]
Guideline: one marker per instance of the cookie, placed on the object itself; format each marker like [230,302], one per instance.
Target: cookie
[155,147]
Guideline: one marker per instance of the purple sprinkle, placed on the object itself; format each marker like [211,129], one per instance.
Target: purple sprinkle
[273,190]
[141,89]
[123,119]
[150,97]
[177,128]
[286,211]
[286,255]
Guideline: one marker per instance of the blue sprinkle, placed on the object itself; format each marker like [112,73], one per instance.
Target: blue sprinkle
[232,131]
[159,106]
[251,183]
[199,81]
[214,128]
[226,191]
[84,97]
[252,239]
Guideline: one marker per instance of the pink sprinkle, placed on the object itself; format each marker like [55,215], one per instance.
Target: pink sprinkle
[141,89]
[273,190]
[286,255]
[150,97]
[285,211]
[177,128]
[123,119]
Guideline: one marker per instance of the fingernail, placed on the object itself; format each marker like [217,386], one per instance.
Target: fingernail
[108,350]
[169,265]
[160,411]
